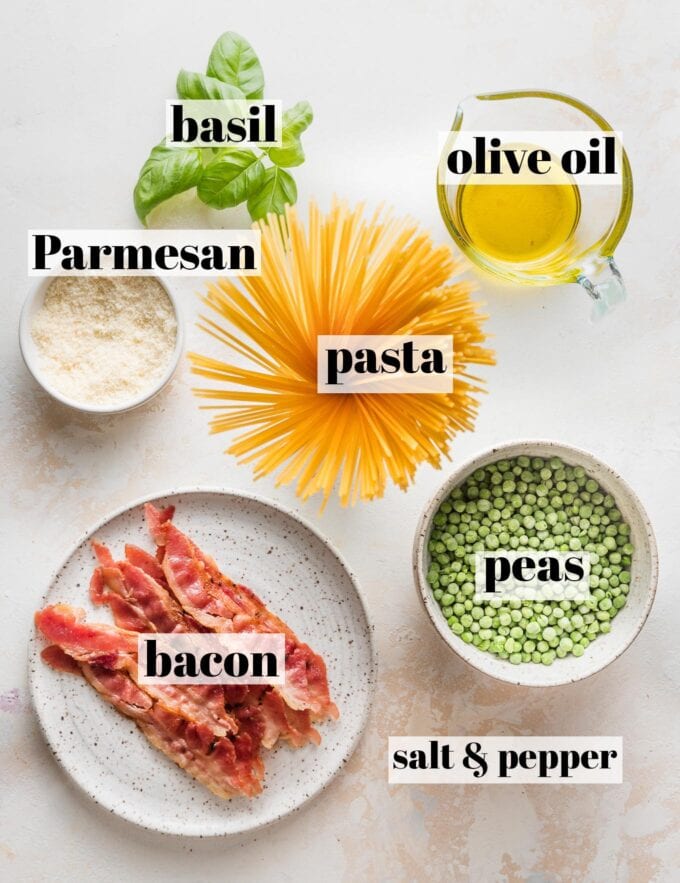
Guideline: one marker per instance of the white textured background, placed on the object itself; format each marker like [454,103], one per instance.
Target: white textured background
[83,86]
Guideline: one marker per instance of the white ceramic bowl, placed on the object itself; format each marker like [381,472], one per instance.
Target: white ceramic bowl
[630,619]
[30,355]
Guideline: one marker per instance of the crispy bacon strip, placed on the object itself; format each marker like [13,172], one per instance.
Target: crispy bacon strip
[100,644]
[56,658]
[118,689]
[220,605]
[63,626]
[218,596]
[283,722]
[146,562]
[227,767]
[156,520]
[102,553]
[125,614]
[274,718]
[158,611]
[153,603]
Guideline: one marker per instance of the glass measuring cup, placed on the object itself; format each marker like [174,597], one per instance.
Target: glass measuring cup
[600,218]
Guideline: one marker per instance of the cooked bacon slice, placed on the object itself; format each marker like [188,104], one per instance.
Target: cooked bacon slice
[156,518]
[116,686]
[125,614]
[157,611]
[153,601]
[102,553]
[118,689]
[193,588]
[307,683]
[146,562]
[140,590]
[97,586]
[56,658]
[220,605]
[262,707]
[98,644]
[227,767]
[275,719]
[197,578]
[203,703]
[283,722]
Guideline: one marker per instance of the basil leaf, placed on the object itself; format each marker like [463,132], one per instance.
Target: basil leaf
[290,153]
[295,120]
[231,179]
[298,118]
[233,60]
[191,85]
[167,171]
[278,189]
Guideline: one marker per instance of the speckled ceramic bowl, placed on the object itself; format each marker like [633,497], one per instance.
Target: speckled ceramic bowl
[301,577]
[31,355]
[629,621]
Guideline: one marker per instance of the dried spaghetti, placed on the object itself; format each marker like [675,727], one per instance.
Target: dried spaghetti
[345,275]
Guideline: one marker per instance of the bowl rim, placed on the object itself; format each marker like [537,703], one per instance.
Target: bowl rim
[461,472]
[28,353]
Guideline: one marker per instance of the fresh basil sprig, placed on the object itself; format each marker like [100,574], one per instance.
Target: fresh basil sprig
[228,176]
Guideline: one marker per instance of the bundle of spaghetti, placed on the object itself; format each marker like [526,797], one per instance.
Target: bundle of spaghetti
[344,275]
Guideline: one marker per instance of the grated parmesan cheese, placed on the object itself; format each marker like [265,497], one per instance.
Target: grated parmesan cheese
[104,340]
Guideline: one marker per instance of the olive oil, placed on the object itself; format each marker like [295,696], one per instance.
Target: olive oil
[518,223]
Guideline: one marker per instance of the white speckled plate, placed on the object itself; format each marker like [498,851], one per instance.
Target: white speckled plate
[301,577]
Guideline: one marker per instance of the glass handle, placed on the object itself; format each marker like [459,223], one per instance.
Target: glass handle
[605,286]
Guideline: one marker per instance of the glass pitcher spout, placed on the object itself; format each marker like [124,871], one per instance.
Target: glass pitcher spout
[605,287]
